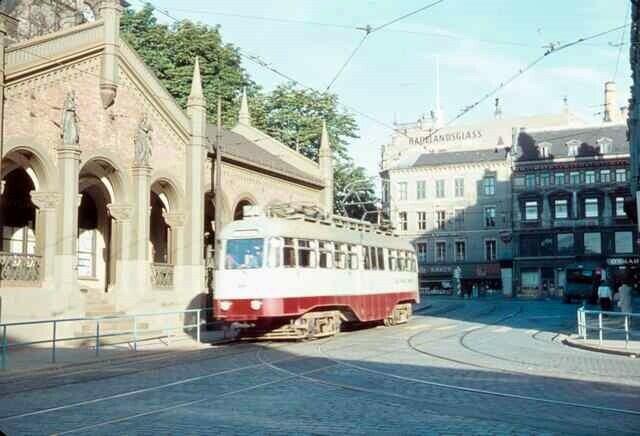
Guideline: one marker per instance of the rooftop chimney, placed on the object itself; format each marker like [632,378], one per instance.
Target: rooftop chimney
[610,106]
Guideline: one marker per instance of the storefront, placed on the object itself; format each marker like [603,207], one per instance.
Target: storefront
[439,279]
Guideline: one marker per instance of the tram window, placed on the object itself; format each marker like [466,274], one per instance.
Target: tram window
[392,260]
[275,252]
[367,258]
[289,253]
[340,256]
[306,253]
[380,258]
[401,261]
[373,257]
[244,253]
[353,257]
[326,255]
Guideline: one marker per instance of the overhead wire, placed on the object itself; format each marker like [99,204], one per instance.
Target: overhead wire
[622,34]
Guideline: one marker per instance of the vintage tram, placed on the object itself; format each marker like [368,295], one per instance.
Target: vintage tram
[288,274]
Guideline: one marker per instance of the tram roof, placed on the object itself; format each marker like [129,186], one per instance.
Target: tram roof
[264,227]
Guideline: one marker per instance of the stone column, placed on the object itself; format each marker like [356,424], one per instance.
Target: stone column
[608,208]
[46,202]
[66,268]
[139,240]
[574,205]
[546,211]
[181,271]
[176,220]
[120,249]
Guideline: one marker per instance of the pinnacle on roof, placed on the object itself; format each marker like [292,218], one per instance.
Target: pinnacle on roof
[196,97]
[244,117]
[325,145]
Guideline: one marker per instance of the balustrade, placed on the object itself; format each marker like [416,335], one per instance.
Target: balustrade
[162,275]
[20,269]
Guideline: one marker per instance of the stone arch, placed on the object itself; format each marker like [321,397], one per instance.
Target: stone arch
[108,168]
[246,199]
[165,186]
[226,204]
[34,159]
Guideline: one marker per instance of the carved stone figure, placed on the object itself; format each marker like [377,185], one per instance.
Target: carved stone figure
[70,121]
[142,142]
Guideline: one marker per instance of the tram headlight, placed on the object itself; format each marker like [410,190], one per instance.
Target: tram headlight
[225,305]
[256,304]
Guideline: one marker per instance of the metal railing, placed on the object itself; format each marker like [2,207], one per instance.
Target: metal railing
[20,268]
[609,325]
[137,333]
[162,275]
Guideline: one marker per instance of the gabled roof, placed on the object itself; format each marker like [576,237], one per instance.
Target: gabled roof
[237,147]
[586,138]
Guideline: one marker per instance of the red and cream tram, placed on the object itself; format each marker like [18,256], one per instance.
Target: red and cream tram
[297,277]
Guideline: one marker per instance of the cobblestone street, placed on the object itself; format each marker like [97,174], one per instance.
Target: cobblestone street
[472,367]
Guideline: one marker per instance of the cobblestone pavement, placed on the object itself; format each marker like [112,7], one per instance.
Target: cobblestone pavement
[472,367]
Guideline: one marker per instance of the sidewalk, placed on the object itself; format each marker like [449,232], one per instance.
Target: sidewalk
[609,346]
[39,359]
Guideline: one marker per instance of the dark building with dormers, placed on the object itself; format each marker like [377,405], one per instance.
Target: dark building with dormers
[568,193]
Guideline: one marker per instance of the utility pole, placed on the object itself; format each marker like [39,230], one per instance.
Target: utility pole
[217,193]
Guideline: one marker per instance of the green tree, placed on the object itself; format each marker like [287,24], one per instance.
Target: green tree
[170,52]
[290,114]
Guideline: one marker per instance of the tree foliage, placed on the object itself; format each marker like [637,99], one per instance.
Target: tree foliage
[289,114]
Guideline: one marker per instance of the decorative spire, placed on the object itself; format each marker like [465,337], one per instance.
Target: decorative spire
[325,145]
[244,117]
[196,97]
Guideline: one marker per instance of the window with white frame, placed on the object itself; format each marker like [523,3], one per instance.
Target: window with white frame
[87,252]
[490,216]
[18,240]
[402,190]
[545,179]
[440,188]
[623,242]
[422,221]
[589,177]
[591,208]
[441,251]
[459,185]
[559,178]
[421,190]
[561,208]
[604,145]
[574,178]
[592,243]
[531,210]
[530,181]
[572,147]
[490,250]
[489,185]
[605,176]
[620,207]
[441,219]
[402,218]
[421,249]
[461,250]
[621,175]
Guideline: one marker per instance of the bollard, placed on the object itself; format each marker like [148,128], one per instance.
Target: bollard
[600,326]
[97,337]
[198,326]
[3,356]
[135,334]
[53,343]
[626,331]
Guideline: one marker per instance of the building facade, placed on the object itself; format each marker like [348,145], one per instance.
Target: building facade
[569,190]
[107,202]
[454,207]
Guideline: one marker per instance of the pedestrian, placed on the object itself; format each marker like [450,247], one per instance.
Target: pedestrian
[605,296]
[624,298]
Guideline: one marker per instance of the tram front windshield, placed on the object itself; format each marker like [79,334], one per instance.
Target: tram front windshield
[244,253]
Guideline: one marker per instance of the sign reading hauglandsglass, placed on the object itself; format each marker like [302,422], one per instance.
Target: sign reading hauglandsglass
[437,138]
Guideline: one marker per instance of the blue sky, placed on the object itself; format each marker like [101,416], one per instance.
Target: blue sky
[479,43]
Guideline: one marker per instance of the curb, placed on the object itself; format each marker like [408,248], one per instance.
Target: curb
[598,349]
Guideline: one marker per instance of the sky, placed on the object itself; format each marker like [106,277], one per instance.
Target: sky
[479,44]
